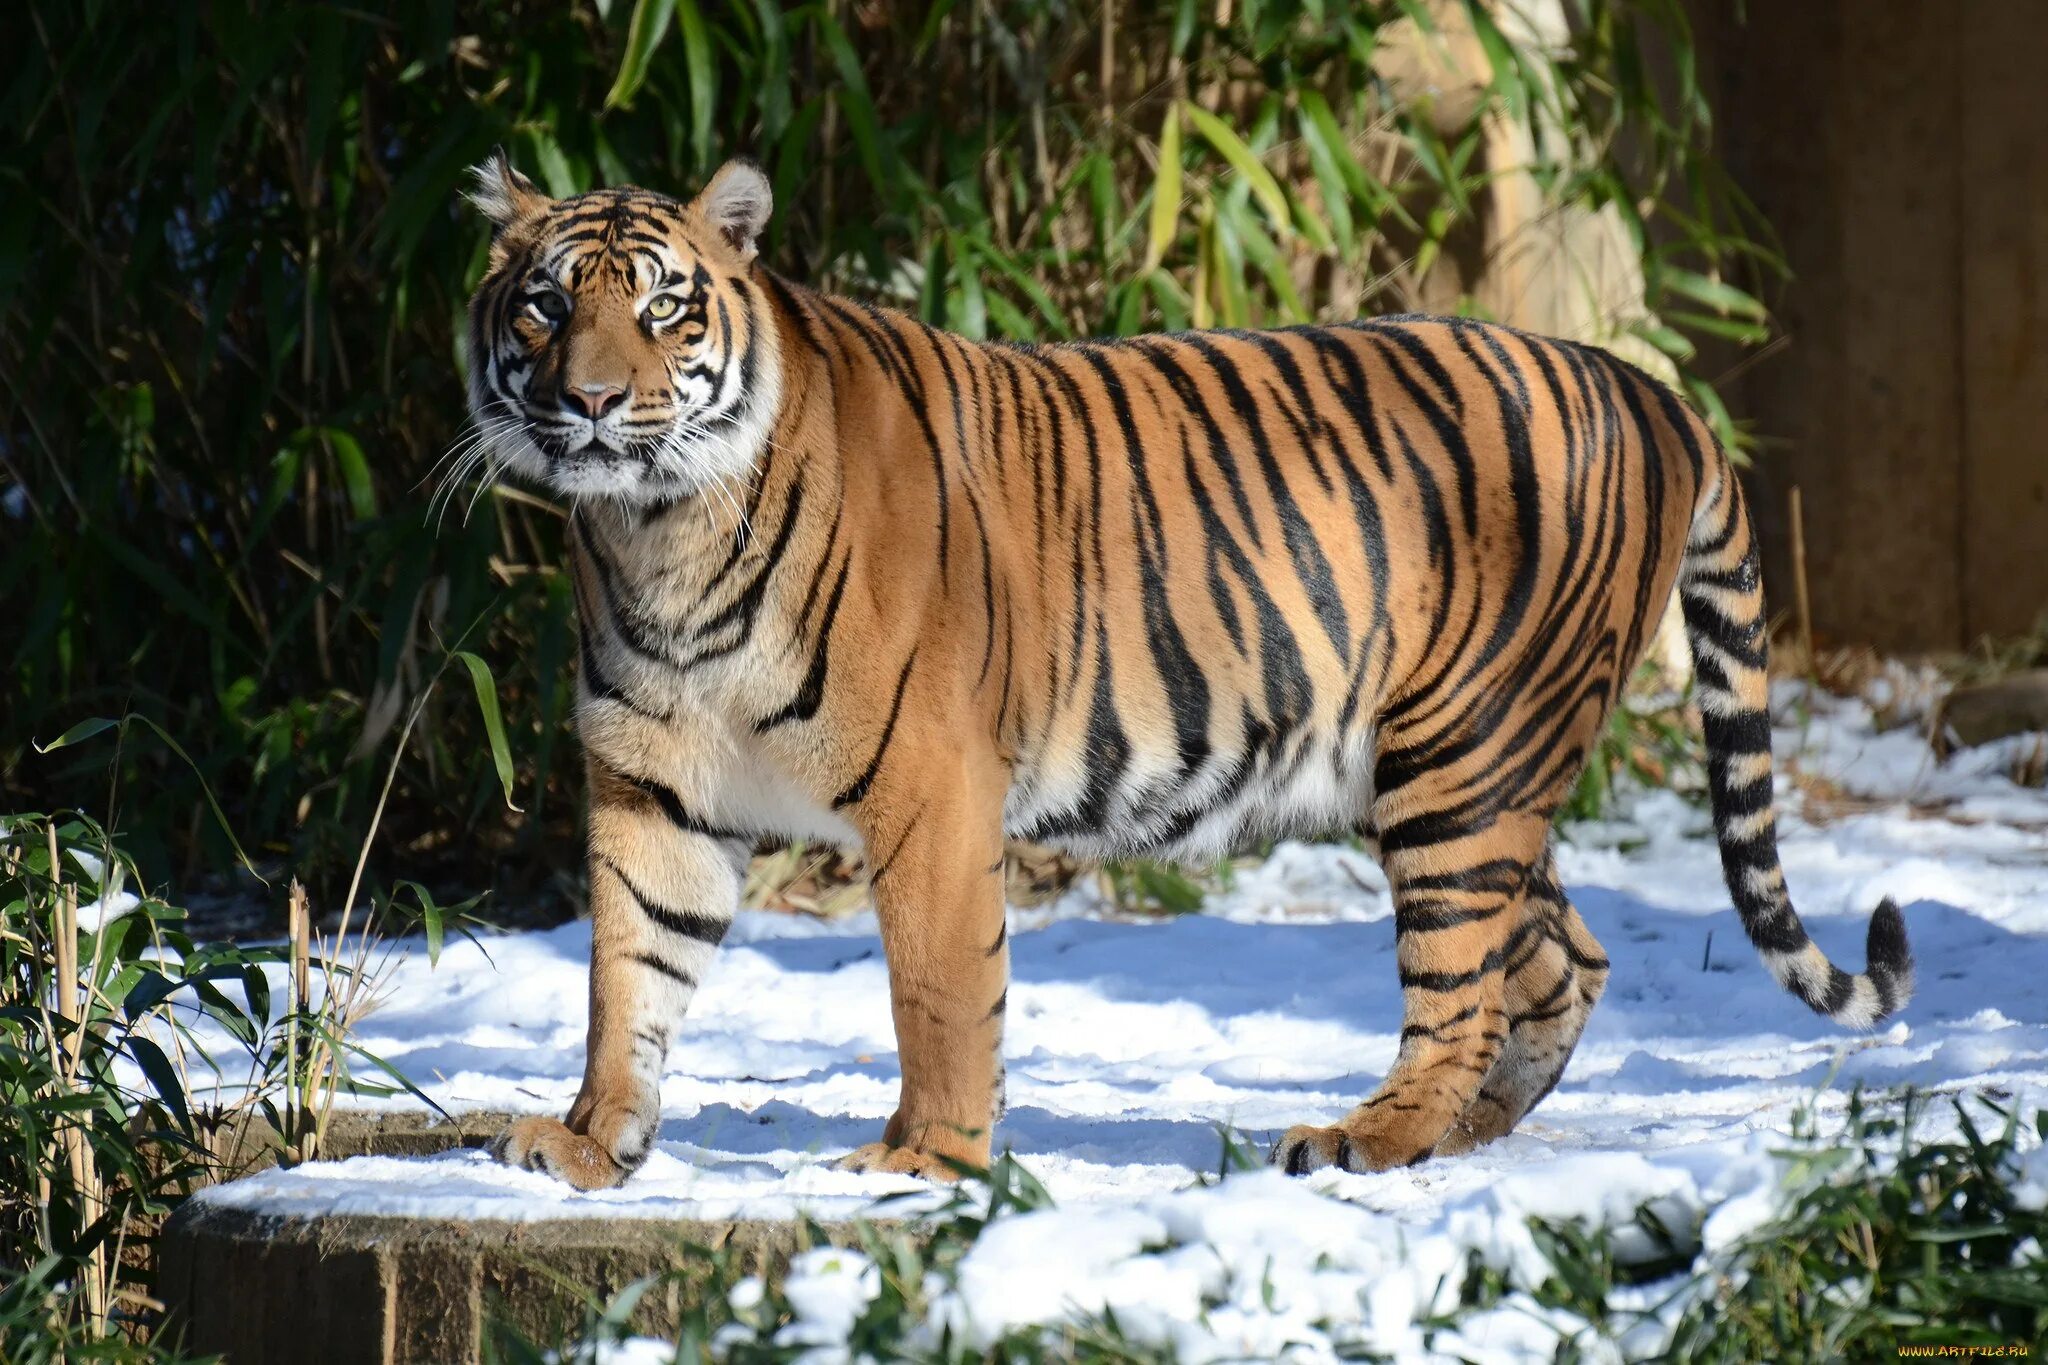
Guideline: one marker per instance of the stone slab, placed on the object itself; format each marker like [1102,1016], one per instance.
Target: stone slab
[339,1290]
[346,1290]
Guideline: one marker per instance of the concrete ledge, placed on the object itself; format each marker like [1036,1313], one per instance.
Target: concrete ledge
[259,1288]
[358,1132]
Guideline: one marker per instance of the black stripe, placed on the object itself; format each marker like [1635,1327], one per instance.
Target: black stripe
[859,787]
[672,806]
[811,694]
[673,973]
[694,924]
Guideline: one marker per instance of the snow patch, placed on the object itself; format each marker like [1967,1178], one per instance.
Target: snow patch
[1132,1044]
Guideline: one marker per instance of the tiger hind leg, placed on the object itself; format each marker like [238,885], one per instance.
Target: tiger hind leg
[1458,923]
[1551,990]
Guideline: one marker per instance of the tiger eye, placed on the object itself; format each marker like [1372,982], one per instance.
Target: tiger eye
[662,306]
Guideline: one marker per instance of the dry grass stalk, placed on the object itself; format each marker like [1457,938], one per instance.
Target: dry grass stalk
[2030,766]
[810,880]
[314,1079]
[1805,603]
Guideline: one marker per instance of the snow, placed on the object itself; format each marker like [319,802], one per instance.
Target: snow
[112,902]
[1132,1044]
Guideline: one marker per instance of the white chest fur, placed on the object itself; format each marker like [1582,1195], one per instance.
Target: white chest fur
[665,698]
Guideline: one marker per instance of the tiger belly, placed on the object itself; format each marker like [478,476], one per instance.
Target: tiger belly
[1308,784]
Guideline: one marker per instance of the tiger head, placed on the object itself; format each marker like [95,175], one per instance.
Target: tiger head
[620,343]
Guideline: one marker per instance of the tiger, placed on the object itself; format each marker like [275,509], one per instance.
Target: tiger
[847,578]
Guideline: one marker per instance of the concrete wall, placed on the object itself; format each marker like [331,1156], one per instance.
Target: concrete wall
[1900,147]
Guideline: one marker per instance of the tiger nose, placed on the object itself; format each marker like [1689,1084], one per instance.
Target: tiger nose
[594,401]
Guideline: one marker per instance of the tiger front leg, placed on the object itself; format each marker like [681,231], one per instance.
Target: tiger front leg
[937,856]
[662,895]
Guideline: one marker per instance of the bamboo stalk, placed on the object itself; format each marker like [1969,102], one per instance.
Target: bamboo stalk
[66,945]
[300,917]
[77,1150]
[301,930]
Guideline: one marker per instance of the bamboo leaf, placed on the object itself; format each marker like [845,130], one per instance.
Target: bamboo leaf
[856,102]
[494,724]
[1165,217]
[548,158]
[1329,178]
[1665,339]
[1507,68]
[87,729]
[703,74]
[1260,249]
[1748,333]
[256,990]
[432,923]
[354,468]
[971,318]
[1244,161]
[644,32]
[162,1076]
[78,733]
[1713,293]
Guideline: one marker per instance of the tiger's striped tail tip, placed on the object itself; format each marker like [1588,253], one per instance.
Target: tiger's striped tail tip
[1889,959]
[1857,1000]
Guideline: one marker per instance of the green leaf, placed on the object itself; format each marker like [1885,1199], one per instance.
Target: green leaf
[1329,178]
[1165,215]
[223,1011]
[87,729]
[151,989]
[1168,889]
[1670,342]
[1103,202]
[555,175]
[857,103]
[971,317]
[432,923]
[1232,148]
[354,1049]
[256,988]
[163,1077]
[644,32]
[1031,289]
[494,723]
[355,471]
[1709,402]
[78,733]
[1310,224]
[1748,333]
[697,61]
[1715,294]
[1507,69]
[1263,254]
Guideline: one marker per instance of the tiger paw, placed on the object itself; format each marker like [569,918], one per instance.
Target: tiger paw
[879,1158]
[551,1148]
[1305,1148]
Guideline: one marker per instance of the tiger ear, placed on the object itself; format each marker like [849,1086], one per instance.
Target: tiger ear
[502,194]
[736,203]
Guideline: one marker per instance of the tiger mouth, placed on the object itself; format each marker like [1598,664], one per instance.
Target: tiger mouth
[593,445]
